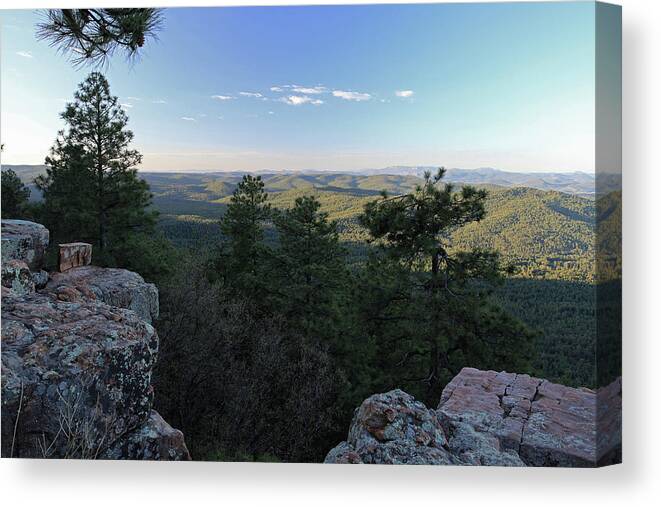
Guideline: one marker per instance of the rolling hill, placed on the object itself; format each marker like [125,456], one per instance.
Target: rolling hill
[548,235]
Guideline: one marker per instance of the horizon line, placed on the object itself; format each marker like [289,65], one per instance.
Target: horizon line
[343,171]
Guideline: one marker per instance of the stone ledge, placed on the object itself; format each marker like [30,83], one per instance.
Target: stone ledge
[116,287]
[489,418]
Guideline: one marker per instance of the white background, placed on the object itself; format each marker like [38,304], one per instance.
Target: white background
[636,482]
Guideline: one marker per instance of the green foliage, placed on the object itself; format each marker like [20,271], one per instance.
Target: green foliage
[91,190]
[546,235]
[410,309]
[240,257]
[564,314]
[308,269]
[15,195]
[422,303]
[92,36]
[609,237]
[152,255]
[239,383]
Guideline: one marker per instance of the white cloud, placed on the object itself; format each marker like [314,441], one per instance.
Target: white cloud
[188,118]
[309,91]
[271,112]
[222,97]
[24,54]
[220,118]
[297,100]
[251,94]
[126,106]
[136,99]
[202,115]
[303,90]
[405,94]
[159,101]
[355,96]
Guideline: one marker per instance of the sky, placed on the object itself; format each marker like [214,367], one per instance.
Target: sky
[509,85]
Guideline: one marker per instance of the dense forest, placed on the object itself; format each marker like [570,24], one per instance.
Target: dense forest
[286,299]
[547,236]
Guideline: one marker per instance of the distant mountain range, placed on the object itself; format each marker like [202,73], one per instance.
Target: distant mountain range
[577,183]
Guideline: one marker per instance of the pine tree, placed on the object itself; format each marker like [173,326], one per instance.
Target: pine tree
[15,195]
[93,35]
[92,191]
[431,307]
[241,259]
[309,265]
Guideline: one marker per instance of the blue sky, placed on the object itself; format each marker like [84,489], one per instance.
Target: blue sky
[506,85]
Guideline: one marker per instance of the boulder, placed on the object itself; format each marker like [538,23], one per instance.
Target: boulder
[24,241]
[84,366]
[489,418]
[77,357]
[115,287]
[72,255]
[497,403]
[547,424]
[394,428]
[154,440]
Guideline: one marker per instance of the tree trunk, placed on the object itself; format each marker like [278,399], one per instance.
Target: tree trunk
[99,170]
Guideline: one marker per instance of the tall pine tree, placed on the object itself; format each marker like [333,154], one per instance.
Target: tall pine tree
[310,268]
[92,191]
[428,306]
[240,262]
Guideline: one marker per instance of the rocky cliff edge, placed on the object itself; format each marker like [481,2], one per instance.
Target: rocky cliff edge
[489,418]
[78,350]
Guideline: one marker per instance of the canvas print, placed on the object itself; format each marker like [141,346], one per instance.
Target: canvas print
[342,234]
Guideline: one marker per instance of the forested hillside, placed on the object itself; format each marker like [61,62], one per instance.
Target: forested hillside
[545,234]
[548,237]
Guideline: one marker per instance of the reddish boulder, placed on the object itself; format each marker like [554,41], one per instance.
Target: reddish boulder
[489,418]
[547,424]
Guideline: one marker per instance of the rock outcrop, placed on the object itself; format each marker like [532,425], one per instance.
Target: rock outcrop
[489,418]
[77,363]
[24,241]
[115,287]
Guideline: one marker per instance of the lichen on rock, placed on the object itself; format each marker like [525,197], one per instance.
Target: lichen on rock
[24,241]
[77,360]
[116,287]
[488,418]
